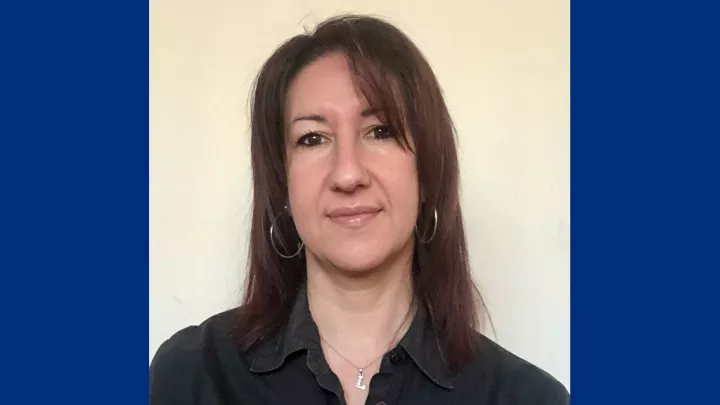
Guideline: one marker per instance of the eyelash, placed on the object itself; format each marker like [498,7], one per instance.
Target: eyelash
[301,142]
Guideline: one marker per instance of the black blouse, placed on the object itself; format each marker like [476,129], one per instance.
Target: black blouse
[201,365]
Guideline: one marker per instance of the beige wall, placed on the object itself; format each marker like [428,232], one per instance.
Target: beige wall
[504,66]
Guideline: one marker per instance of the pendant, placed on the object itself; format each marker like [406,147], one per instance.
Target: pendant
[359,381]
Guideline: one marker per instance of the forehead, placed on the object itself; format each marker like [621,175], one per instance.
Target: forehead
[325,86]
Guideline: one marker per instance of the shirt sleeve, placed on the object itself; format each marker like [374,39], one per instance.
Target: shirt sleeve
[523,383]
[175,371]
[557,394]
[536,387]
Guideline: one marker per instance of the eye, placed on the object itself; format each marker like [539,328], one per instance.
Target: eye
[311,140]
[383,132]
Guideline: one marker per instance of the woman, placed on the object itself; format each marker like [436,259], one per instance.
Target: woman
[358,289]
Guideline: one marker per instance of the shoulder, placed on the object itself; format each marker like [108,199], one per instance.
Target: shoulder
[177,370]
[517,380]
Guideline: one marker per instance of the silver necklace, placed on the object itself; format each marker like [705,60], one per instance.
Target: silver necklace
[360,375]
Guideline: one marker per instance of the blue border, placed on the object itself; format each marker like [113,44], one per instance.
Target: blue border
[644,89]
[75,181]
[74,163]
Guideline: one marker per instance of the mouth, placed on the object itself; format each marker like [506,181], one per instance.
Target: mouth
[353,217]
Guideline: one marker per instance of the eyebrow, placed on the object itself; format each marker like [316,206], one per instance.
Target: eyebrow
[319,118]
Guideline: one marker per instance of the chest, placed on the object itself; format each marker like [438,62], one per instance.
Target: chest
[303,387]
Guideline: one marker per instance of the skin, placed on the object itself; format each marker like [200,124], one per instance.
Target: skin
[353,195]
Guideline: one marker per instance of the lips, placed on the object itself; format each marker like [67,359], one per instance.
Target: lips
[353,216]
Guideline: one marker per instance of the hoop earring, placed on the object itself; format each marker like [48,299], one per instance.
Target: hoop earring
[435,224]
[272,240]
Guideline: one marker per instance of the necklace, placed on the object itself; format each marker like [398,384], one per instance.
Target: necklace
[360,375]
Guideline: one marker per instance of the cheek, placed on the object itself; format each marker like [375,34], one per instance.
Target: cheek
[402,185]
[304,184]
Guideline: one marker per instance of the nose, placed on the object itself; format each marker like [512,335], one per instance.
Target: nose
[349,170]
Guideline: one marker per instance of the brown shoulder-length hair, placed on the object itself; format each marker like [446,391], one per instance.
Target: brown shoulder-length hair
[393,76]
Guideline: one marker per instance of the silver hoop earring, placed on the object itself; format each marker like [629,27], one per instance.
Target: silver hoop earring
[435,224]
[272,240]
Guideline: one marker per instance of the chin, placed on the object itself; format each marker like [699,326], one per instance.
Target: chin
[357,259]
[356,265]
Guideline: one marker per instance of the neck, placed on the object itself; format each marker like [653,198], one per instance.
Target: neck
[361,313]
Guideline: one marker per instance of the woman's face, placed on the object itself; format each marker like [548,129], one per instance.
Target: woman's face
[353,189]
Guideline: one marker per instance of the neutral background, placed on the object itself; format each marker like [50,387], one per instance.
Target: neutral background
[504,66]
